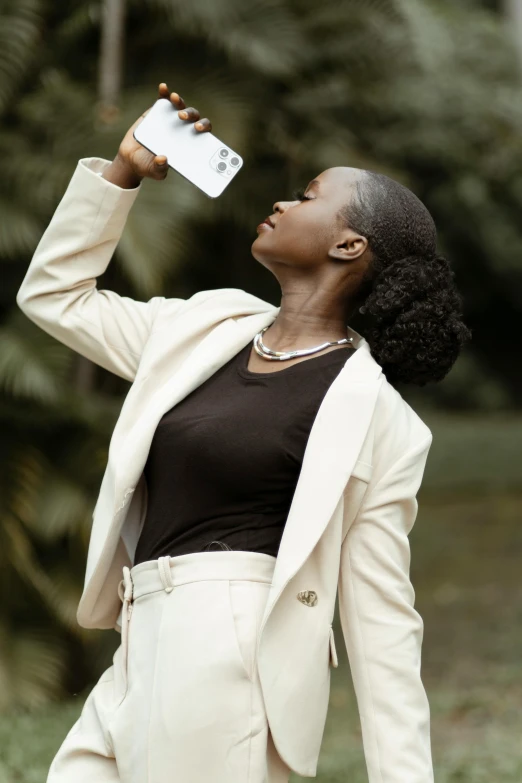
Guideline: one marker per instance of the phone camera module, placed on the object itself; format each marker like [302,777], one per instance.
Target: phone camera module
[234,161]
[221,166]
[223,153]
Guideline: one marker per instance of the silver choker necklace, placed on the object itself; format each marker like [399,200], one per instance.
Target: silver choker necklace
[280,356]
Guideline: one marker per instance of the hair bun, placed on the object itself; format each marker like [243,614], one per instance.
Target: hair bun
[416,334]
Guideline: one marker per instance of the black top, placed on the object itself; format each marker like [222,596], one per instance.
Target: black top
[224,461]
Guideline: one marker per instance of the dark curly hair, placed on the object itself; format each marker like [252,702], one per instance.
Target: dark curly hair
[415,332]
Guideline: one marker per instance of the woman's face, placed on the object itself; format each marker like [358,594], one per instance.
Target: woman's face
[305,233]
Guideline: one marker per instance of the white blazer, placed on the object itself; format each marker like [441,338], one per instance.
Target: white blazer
[353,508]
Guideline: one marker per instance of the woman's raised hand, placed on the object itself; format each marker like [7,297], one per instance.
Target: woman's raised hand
[133,162]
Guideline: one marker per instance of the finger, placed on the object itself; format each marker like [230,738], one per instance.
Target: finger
[191,114]
[203,125]
[177,100]
[163,90]
[159,169]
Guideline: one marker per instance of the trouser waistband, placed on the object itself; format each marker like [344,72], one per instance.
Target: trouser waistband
[166,572]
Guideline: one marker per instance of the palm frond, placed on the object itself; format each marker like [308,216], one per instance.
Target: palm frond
[21,25]
[32,364]
[19,231]
[32,665]
[78,23]
[265,34]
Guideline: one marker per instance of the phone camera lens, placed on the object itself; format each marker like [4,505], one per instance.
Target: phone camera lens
[234,161]
[223,153]
[221,166]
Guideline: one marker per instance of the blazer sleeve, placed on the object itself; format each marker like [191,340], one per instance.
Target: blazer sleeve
[59,291]
[383,631]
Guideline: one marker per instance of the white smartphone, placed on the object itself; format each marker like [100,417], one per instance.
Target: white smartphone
[198,156]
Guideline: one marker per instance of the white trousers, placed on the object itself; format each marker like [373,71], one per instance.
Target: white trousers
[182,700]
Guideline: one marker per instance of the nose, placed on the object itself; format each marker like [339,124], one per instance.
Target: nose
[282,206]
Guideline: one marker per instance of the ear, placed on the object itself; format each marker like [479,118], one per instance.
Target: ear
[348,247]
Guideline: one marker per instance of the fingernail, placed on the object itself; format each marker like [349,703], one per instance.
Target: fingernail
[183,115]
[199,125]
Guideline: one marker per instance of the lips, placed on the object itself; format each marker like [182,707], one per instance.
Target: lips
[266,225]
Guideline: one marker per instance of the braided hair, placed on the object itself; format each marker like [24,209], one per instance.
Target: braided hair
[415,332]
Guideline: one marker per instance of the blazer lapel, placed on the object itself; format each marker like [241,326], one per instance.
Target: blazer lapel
[333,446]
[218,347]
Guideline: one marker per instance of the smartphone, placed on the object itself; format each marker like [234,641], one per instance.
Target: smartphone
[199,156]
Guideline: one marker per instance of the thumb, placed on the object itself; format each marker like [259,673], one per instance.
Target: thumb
[160,161]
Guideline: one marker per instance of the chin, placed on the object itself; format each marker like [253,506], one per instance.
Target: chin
[254,249]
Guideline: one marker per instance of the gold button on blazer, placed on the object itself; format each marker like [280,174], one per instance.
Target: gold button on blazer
[353,508]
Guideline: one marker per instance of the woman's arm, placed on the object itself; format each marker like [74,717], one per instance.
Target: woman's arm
[382,629]
[59,291]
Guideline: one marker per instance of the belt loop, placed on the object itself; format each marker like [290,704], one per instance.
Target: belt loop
[125,587]
[165,573]
[127,578]
[125,591]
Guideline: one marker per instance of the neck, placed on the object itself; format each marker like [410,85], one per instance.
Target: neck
[304,323]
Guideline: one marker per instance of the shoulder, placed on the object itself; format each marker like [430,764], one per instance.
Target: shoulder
[226,302]
[398,427]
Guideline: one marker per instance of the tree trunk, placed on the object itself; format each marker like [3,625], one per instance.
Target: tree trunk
[112,32]
[111,58]
[513,15]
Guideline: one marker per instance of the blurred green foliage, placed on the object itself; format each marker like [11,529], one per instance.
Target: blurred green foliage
[427,92]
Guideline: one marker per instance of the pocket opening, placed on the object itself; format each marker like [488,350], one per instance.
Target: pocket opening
[242,614]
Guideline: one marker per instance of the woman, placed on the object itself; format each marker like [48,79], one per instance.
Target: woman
[262,455]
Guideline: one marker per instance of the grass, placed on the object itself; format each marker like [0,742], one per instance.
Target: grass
[473,451]
[466,554]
